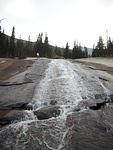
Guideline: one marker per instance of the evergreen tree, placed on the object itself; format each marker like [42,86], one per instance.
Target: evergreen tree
[18,47]
[99,50]
[80,52]
[66,51]
[0,28]
[3,45]
[85,52]
[28,48]
[74,52]
[39,46]
[12,43]
[109,47]
[57,51]
[21,49]
[7,47]
[46,46]
[77,51]
[47,50]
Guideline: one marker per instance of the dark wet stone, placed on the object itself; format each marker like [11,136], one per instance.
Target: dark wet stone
[53,102]
[45,104]
[98,96]
[100,103]
[21,105]
[12,116]
[111,97]
[84,97]
[28,107]
[98,106]
[77,109]
[47,112]
[101,96]
[101,78]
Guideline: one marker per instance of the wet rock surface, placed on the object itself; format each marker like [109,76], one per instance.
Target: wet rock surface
[47,112]
[95,104]
[22,85]
[21,105]
[90,130]
[53,102]
[72,109]
[14,115]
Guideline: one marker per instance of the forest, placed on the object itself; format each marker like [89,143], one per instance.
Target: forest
[12,47]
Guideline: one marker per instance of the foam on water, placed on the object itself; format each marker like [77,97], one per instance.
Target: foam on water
[61,83]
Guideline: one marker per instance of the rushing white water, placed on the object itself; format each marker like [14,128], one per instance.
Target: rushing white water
[62,84]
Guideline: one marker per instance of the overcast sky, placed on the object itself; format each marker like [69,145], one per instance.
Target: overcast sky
[63,20]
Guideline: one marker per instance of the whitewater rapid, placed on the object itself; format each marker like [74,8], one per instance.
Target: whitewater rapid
[62,84]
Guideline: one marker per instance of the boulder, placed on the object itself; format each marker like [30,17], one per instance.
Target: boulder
[47,112]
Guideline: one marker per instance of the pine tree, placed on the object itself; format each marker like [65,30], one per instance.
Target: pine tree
[74,52]
[85,52]
[77,51]
[46,45]
[40,45]
[0,29]
[66,51]
[21,49]
[57,51]
[12,43]
[3,45]
[28,48]
[109,47]
[99,50]
[80,52]
[47,50]
[7,47]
